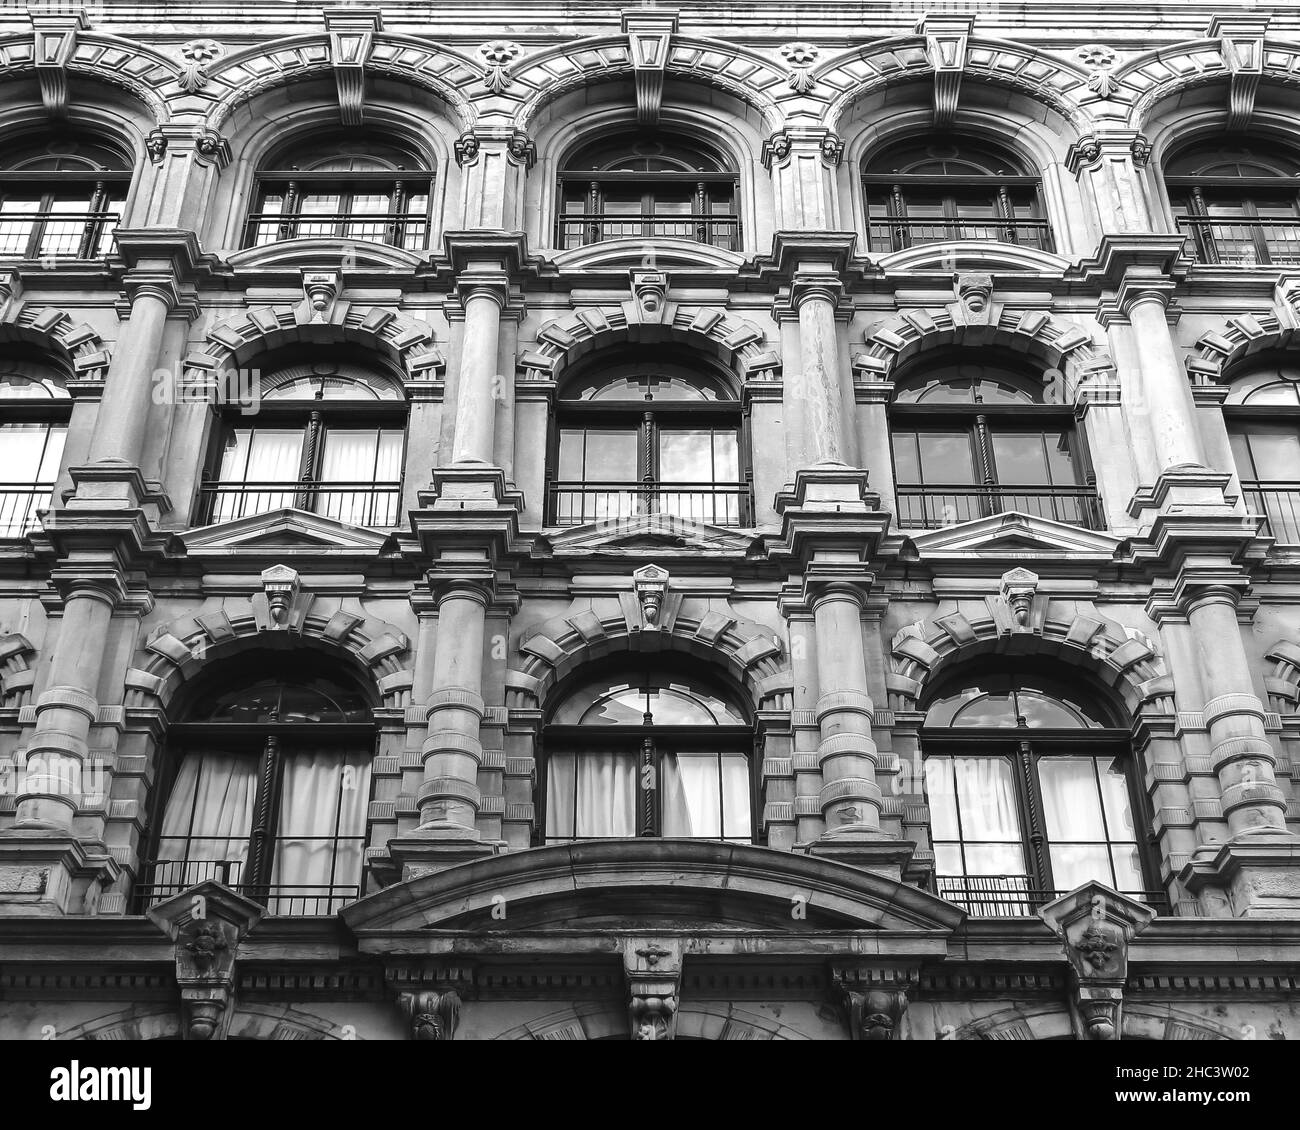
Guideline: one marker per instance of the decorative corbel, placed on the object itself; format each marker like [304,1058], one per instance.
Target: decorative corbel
[522,150]
[281,584]
[322,289]
[1017,592]
[1095,926]
[55,41]
[198,53]
[206,923]
[11,291]
[431,1014]
[1286,300]
[1140,150]
[832,149]
[352,36]
[653,967]
[776,148]
[650,583]
[801,57]
[946,40]
[875,1000]
[466,149]
[211,146]
[650,291]
[497,56]
[1241,41]
[156,144]
[649,35]
[974,305]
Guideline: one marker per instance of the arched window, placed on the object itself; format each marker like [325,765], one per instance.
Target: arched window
[34,412]
[648,752]
[61,195]
[1262,413]
[942,188]
[1238,199]
[1030,792]
[327,436]
[974,438]
[266,789]
[345,185]
[644,186]
[646,436]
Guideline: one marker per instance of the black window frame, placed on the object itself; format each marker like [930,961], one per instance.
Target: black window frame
[53,411]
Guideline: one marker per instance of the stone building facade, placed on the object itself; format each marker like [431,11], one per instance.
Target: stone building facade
[695,522]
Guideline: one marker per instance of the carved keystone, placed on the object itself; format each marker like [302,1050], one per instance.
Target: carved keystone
[653,967]
[650,583]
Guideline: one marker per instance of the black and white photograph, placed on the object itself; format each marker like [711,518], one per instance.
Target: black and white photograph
[535,520]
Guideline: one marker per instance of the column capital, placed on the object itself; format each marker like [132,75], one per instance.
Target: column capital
[786,143]
[1194,593]
[825,584]
[1134,288]
[162,286]
[1112,144]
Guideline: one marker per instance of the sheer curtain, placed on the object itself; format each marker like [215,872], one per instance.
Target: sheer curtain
[1072,809]
[208,820]
[706,795]
[371,457]
[590,795]
[320,835]
[262,455]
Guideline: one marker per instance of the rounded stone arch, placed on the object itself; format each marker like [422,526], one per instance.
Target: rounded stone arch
[1051,1021]
[247,1022]
[1048,79]
[537,79]
[375,652]
[738,344]
[1055,344]
[748,653]
[1123,661]
[147,75]
[405,342]
[76,346]
[1217,353]
[237,79]
[17,670]
[701,1020]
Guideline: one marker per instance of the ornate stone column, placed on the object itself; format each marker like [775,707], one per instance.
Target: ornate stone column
[816,296]
[483,297]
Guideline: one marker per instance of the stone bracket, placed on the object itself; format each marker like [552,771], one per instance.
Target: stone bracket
[875,999]
[352,36]
[1241,40]
[946,40]
[431,1014]
[55,43]
[653,968]
[649,35]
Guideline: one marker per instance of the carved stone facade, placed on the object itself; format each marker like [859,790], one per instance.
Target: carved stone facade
[835,600]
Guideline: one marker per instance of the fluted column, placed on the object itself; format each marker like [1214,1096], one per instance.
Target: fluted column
[51,787]
[449,797]
[850,799]
[478,385]
[817,384]
[1239,750]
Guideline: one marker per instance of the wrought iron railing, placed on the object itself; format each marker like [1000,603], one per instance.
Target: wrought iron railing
[1243,242]
[62,235]
[1015,896]
[409,230]
[896,235]
[717,231]
[1278,503]
[165,878]
[718,504]
[19,503]
[935,506]
[361,504]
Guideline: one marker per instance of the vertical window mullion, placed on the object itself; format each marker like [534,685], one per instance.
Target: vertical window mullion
[308,464]
[1032,809]
[261,838]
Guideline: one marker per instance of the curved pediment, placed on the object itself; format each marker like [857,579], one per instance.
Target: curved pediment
[664,884]
[974,255]
[623,255]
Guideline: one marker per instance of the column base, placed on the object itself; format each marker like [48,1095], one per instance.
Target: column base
[868,851]
[1256,876]
[1185,490]
[49,873]
[425,852]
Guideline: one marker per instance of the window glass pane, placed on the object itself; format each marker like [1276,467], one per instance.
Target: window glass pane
[349,455]
[941,796]
[946,457]
[736,813]
[1071,802]
[274,455]
[686,456]
[611,455]
[907,458]
[624,700]
[1115,800]
[1076,864]
[986,798]
[692,797]
[726,456]
[1241,455]
[590,794]
[947,860]
[49,467]
[1128,869]
[1275,452]
[994,859]
[207,821]
[24,446]
[1045,712]
[1020,457]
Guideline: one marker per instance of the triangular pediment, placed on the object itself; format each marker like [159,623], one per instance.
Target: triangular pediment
[1014,536]
[661,534]
[285,531]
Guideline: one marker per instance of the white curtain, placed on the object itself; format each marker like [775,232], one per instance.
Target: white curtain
[208,819]
[692,792]
[320,835]
[371,457]
[1072,808]
[590,795]
[264,455]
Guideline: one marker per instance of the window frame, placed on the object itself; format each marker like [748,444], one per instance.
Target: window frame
[53,412]
[99,221]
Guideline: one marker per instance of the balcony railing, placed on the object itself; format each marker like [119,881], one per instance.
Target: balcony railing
[361,504]
[718,504]
[932,507]
[62,235]
[717,231]
[1243,242]
[169,877]
[19,503]
[409,230]
[897,235]
[1278,503]
[1015,896]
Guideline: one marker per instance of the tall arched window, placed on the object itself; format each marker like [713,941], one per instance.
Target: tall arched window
[648,752]
[645,186]
[34,412]
[943,187]
[327,436]
[344,186]
[1238,199]
[1262,413]
[974,438]
[61,195]
[266,789]
[646,436]
[1030,793]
